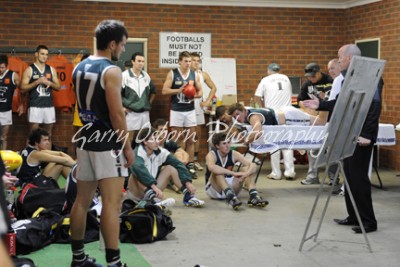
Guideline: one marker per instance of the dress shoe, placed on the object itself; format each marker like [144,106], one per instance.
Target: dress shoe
[345,222]
[367,228]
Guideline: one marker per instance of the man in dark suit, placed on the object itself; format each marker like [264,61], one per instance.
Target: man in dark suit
[356,167]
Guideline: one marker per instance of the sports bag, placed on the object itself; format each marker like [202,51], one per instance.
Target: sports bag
[62,232]
[35,233]
[33,197]
[145,224]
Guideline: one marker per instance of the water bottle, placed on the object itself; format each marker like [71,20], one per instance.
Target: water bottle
[213,105]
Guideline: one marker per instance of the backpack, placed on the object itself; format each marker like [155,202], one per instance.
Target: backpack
[35,233]
[145,224]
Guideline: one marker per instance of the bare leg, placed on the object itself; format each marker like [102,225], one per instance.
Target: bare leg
[86,191]
[111,193]
[135,187]
[168,173]
[49,129]
[4,134]
[190,142]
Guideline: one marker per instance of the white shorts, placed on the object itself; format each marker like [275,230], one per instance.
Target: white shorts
[6,118]
[97,165]
[135,121]
[42,115]
[295,116]
[200,119]
[214,194]
[182,118]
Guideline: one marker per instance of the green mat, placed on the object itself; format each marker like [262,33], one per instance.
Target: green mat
[59,255]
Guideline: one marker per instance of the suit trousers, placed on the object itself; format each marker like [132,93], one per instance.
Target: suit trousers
[356,169]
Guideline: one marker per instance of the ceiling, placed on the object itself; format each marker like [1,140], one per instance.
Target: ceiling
[335,4]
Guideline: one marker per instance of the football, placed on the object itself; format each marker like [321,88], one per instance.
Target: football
[189,91]
[11,159]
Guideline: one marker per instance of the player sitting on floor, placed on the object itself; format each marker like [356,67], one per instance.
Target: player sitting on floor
[153,168]
[257,117]
[222,182]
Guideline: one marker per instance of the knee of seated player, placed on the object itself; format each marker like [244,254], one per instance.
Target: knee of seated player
[135,187]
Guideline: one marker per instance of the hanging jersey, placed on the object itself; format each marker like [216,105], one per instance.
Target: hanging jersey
[88,79]
[268,115]
[179,102]
[27,171]
[228,163]
[63,98]
[17,65]
[41,96]
[7,87]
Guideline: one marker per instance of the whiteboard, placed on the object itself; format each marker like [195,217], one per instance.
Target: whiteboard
[223,73]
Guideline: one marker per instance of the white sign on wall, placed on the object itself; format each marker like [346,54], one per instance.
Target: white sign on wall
[172,43]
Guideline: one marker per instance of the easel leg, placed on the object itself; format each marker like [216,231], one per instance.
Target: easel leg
[348,191]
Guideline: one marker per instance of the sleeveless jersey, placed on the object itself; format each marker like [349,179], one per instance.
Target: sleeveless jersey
[267,114]
[7,87]
[179,102]
[17,65]
[64,98]
[27,171]
[41,96]
[227,164]
[88,79]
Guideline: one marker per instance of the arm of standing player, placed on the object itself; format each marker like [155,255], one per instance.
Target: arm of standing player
[54,83]
[17,81]
[211,85]
[112,83]
[199,88]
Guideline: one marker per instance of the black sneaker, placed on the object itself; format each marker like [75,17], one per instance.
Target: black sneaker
[88,262]
[235,203]
[257,201]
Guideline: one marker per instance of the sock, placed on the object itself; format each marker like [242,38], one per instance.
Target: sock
[229,193]
[186,193]
[253,193]
[112,257]
[149,194]
[78,250]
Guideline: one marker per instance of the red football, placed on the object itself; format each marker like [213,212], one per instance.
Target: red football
[190,91]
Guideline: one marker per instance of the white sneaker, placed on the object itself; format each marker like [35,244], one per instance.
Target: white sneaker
[273,177]
[194,202]
[166,203]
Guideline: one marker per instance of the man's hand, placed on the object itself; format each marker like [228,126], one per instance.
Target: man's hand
[9,180]
[363,141]
[159,193]
[241,176]
[311,103]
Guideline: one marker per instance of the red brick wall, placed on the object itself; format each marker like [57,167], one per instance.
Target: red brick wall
[254,36]
[382,20]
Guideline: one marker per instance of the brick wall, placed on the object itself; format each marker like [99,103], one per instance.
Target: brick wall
[254,36]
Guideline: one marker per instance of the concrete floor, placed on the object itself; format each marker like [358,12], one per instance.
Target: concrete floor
[218,236]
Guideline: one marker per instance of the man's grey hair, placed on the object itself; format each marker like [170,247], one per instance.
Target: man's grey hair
[352,49]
